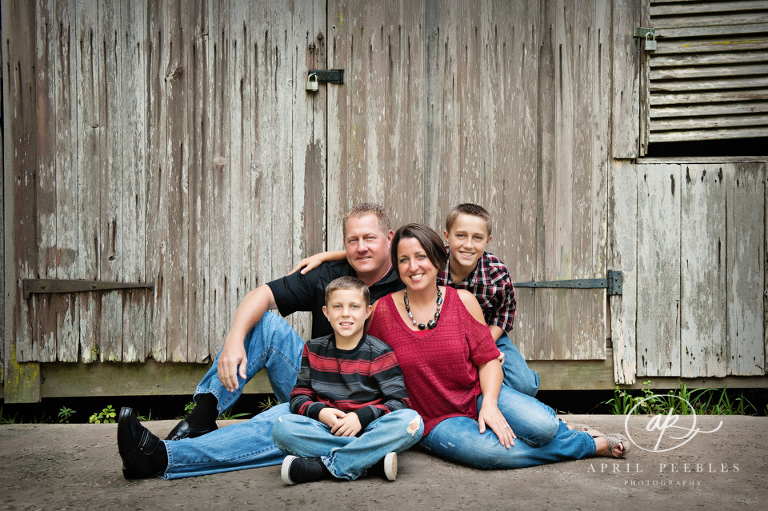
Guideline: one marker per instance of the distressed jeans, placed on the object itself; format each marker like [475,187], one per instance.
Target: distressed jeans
[348,457]
[541,437]
[273,345]
[517,374]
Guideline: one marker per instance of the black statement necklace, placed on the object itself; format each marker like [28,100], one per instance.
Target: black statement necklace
[432,323]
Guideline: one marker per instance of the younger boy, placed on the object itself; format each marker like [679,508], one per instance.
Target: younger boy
[467,233]
[350,409]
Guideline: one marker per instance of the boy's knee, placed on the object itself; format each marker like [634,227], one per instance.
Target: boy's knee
[280,429]
[415,426]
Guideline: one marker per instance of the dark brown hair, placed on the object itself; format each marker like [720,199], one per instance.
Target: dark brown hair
[430,241]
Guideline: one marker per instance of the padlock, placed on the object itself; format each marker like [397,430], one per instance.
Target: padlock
[312,85]
[650,42]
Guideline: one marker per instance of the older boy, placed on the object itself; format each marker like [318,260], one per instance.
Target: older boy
[350,407]
[467,233]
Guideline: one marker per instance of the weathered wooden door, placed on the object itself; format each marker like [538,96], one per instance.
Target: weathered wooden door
[500,103]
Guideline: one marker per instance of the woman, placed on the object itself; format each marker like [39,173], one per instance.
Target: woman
[453,375]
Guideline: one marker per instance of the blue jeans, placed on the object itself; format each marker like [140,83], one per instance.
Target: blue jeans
[541,437]
[517,374]
[272,344]
[348,457]
[238,446]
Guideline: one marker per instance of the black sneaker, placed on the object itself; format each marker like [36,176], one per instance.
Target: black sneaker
[386,467]
[297,470]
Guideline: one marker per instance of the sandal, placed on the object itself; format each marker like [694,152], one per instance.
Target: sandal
[615,439]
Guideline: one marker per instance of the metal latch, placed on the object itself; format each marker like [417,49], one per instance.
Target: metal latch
[649,34]
[40,286]
[612,283]
[328,75]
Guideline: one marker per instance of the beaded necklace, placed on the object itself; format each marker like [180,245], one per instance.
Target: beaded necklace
[432,323]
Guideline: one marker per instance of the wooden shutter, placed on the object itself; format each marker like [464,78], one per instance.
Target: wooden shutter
[708,78]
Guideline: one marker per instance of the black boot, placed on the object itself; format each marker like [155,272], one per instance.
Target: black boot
[200,421]
[143,454]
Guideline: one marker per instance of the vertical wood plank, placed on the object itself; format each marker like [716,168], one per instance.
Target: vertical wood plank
[65,82]
[545,192]
[658,270]
[560,217]
[89,144]
[625,111]
[157,182]
[590,163]
[178,78]
[703,271]
[22,381]
[308,50]
[514,209]
[198,105]
[745,267]
[133,128]
[221,198]
[45,324]
[110,172]
[249,47]
[623,225]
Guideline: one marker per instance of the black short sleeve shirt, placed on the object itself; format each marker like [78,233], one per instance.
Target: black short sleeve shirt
[297,292]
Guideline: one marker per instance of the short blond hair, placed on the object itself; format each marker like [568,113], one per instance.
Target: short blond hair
[368,208]
[467,209]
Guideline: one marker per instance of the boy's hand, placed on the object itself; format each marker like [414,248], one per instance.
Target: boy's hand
[349,425]
[330,416]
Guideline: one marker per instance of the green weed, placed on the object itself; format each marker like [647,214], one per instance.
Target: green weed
[677,401]
[268,403]
[7,420]
[229,415]
[65,413]
[105,416]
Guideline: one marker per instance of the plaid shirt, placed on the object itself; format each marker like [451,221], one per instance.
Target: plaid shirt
[492,286]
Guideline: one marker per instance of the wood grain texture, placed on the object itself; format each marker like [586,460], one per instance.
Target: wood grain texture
[703,271]
[745,350]
[625,111]
[658,270]
[623,227]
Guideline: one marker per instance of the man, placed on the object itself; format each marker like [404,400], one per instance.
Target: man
[258,339]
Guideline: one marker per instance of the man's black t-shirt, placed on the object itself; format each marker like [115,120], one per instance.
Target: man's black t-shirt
[297,292]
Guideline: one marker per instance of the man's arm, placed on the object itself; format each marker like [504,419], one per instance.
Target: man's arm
[248,313]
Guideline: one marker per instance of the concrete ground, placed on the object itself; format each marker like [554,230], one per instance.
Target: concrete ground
[78,467]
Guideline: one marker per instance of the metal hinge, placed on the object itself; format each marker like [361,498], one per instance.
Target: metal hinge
[612,283]
[39,286]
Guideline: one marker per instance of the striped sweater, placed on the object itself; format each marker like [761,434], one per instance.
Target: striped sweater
[366,380]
